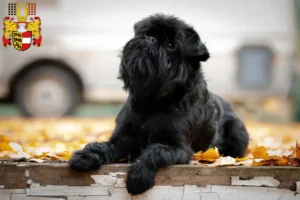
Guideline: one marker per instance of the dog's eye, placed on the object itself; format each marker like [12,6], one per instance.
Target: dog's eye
[169,46]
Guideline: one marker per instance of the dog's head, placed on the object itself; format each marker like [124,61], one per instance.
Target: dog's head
[162,57]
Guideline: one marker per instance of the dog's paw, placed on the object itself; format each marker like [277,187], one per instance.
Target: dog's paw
[85,160]
[140,178]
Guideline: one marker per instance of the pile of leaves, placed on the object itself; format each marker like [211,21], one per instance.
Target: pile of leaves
[54,140]
[258,157]
[49,140]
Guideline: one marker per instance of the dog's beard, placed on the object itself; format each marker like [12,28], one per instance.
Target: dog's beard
[150,71]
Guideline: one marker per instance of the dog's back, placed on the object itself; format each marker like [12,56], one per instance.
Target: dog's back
[231,137]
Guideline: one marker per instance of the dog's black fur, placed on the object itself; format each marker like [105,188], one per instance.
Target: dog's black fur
[169,113]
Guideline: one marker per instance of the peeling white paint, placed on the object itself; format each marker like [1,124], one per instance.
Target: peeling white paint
[117,173]
[162,193]
[298,187]
[2,186]
[5,194]
[255,181]
[104,180]
[50,190]
[27,173]
[210,196]
[34,185]
[187,192]
[120,183]
[248,193]
[195,188]
[193,192]
[119,194]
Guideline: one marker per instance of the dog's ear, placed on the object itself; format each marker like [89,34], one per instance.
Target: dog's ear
[194,47]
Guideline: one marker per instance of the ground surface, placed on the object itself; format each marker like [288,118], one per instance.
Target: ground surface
[48,143]
[56,139]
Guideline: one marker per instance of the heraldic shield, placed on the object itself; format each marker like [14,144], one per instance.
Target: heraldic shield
[22,40]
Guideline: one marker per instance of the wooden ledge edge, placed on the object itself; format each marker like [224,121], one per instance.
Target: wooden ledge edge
[25,174]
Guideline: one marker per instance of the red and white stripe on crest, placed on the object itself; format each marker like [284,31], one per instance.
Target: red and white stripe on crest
[26,40]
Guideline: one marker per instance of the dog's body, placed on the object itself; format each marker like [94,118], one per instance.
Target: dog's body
[169,113]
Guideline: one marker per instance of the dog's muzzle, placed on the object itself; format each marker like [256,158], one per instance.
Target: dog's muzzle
[151,39]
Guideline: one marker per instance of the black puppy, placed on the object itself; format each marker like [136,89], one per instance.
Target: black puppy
[169,113]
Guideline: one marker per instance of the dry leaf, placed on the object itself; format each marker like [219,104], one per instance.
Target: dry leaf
[198,155]
[264,162]
[223,161]
[209,155]
[4,155]
[4,144]
[284,161]
[39,140]
[36,160]
[295,162]
[297,149]
[65,155]
[16,147]
[261,152]
[20,155]
[245,162]
[244,159]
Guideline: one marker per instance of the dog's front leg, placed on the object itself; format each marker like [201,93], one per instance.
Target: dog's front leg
[95,154]
[121,143]
[141,174]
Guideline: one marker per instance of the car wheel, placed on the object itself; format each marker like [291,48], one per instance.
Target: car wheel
[47,91]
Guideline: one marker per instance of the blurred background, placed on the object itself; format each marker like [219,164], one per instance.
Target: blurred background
[253,64]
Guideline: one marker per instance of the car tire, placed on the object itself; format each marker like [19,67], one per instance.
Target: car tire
[47,91]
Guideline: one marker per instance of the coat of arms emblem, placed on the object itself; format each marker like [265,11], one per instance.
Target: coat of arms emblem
[22,33]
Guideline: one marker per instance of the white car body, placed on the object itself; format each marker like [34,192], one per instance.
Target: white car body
[89,35]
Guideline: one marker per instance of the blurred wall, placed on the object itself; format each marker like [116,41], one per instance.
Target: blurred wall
[90,34]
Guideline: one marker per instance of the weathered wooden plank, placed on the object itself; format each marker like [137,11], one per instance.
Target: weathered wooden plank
[255,181]
[13,176]
[24,175]
[25,197]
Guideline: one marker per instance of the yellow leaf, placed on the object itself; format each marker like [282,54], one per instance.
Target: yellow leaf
[36,160]
[65,155]
[4,146]
[197,156]
[243,159]
[261,152]
[210,155]
[283,161]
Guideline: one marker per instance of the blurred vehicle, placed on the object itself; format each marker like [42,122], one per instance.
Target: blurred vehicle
[252,46]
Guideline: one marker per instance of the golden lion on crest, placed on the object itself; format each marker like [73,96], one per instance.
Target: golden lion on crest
[22,26]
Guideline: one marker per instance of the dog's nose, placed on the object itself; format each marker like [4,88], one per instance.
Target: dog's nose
[151,39]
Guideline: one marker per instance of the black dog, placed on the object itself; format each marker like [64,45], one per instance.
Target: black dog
[169,113]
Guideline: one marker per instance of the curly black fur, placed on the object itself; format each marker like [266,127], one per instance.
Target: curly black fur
[169,113]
